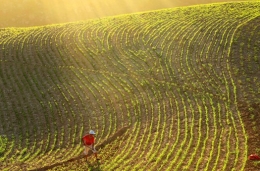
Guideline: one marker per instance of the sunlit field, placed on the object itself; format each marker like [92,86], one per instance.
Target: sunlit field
[172,89]
[24,13]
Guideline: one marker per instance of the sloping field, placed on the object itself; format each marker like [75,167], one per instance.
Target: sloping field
[175,78]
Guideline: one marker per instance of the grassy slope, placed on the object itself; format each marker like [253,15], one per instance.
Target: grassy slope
[175,76]
[41,12]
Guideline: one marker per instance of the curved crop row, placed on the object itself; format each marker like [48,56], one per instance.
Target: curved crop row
[173,76]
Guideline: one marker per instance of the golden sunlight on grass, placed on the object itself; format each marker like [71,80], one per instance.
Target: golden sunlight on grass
[23,13]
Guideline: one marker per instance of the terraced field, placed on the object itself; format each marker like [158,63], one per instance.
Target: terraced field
[175,78]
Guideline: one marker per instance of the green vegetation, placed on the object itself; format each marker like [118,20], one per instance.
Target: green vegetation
[3,142]
[176,77]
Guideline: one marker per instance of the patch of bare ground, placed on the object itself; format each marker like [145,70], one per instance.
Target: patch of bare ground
[250,114]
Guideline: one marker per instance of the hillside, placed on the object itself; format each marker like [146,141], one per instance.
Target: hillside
[183,81]
[27,13]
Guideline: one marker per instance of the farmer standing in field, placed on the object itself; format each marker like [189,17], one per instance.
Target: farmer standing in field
[89,143]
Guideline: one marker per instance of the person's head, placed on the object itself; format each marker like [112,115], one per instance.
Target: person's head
[91,132]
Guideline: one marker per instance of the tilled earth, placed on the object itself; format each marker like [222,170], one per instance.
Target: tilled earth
[251,117]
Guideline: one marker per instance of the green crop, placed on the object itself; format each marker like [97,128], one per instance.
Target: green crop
[175,77]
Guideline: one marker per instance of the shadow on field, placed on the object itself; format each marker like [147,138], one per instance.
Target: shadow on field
[250,114]
[92,166]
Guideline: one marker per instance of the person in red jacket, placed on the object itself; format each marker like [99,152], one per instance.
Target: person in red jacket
[89,143]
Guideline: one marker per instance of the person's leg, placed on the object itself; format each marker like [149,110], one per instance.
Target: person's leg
[95,153]
[86,152]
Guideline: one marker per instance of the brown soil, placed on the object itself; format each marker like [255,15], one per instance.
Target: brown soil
[78,159]
[251,117]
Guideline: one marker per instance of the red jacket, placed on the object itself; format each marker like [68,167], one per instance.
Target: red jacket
[254,157]
[88,139]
